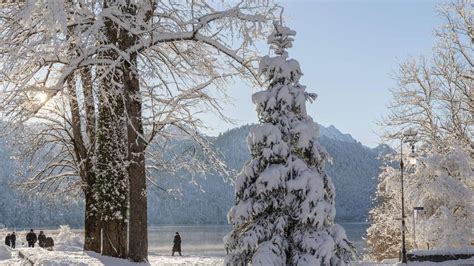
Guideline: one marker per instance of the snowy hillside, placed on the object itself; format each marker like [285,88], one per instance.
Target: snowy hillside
[19,211]
[333,133]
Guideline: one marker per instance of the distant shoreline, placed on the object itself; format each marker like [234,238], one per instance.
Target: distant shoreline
[22,229]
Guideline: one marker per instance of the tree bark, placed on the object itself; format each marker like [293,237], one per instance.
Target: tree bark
[92,226]
[114,238]
[138,230]
[138,210]
[82,151]
[138,227]
[89,104]
[92,235]
[86,171]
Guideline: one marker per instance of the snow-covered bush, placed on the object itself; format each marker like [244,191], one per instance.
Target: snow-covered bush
[445,188]
[284,210]
[443,184]
[66,237]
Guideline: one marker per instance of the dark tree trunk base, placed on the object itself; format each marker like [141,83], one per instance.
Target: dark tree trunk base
[92,235]
[114,239]
[92,238]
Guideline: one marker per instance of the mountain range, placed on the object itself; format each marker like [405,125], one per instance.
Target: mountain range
[354,170]
[205,198]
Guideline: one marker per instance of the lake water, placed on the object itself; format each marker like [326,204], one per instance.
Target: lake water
[206,240]
[203,240]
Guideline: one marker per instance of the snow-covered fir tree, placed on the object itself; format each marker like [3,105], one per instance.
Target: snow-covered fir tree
[284,211]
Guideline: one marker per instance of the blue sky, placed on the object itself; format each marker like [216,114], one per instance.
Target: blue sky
[349,51]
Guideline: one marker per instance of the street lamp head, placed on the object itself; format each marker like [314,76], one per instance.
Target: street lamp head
[410,133]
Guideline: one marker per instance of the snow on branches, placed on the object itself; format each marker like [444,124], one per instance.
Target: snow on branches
[436,98]
[284,210]
[179,51]
[445,188]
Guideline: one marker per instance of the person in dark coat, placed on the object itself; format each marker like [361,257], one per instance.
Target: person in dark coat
[49,244]
[7,240]
[42,239]
[31,238]
[12,240]
[176,244]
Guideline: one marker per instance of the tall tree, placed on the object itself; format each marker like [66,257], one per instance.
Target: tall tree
[83,135]
[169,53]
[284,211]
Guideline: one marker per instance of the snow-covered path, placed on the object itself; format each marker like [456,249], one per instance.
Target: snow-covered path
[58,258]
[9,256]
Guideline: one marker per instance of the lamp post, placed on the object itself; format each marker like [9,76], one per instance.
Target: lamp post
[407,137]
[415,214]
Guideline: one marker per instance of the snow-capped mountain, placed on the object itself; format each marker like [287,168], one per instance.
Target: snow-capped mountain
[333,133]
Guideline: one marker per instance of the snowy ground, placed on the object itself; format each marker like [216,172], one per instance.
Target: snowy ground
[58,258]
[68,251]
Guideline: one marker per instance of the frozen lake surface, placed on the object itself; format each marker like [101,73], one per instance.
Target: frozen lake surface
[206,240]
[200,240]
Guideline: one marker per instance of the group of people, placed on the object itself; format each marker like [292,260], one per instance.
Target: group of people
[31,238]
[10,240]
[47,242]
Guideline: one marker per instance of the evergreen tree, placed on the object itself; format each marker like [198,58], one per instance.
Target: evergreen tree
[284,211]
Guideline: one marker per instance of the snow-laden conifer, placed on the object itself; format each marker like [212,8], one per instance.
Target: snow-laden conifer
[284,211]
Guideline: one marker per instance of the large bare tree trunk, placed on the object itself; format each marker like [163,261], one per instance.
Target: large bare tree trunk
[138,230]
[86,170]
[138,210]
[83,150]
[92,227]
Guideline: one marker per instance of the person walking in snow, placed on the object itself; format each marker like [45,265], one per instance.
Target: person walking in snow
[176,244]
[31,238]
[12,240]
[42,239]
[7,240]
